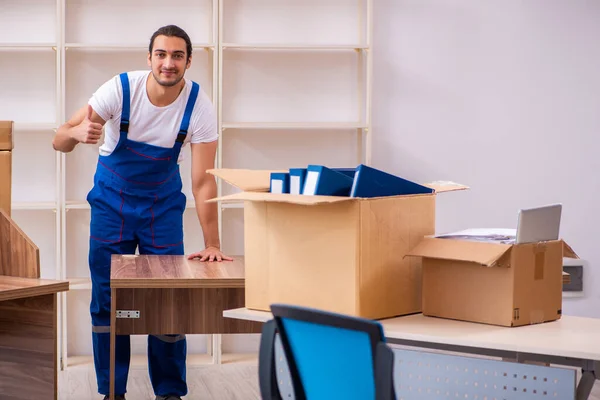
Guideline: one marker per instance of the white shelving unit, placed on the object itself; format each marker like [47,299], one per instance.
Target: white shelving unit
[291,81]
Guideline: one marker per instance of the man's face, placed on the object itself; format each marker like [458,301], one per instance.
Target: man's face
[168,60]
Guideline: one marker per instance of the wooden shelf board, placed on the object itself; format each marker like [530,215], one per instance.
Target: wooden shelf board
[123,46]
[34,126]
[33,46]
[192,204]
[83,205]
[77,205]
[293,46]
[293,125]
[32,205]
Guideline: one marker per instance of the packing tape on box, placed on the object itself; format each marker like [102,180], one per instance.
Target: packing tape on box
[540,261]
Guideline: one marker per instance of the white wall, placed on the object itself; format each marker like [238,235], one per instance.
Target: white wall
[503,96]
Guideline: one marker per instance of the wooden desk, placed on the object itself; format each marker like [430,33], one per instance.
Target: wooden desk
[162,295]
[28,337]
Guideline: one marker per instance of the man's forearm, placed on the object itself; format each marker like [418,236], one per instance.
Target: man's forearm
[62,140]
[208,212]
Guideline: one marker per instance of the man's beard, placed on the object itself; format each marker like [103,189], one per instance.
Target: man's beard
[167,84]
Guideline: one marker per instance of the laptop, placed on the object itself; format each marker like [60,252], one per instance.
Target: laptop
[539,224]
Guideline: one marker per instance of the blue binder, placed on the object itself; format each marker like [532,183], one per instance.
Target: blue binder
[371,182]
[346,171]
[324,181]
[297,177]
[280,182]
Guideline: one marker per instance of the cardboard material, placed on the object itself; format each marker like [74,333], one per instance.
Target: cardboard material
[5,181]
[335,253]
[498,284]
[6,136]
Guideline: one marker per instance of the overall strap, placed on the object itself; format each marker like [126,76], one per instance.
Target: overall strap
[185,122]
[126,104]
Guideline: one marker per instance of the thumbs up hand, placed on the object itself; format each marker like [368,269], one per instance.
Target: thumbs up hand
[87,131]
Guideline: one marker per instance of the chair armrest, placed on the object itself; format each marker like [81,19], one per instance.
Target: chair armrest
[267,373]
[384,373]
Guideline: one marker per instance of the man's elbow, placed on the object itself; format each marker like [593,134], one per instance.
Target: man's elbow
[63,149]
[205,188]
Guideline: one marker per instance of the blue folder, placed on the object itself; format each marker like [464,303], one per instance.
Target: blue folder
[371,182]
[346,171]
[280,182]
[324,181]
[297,177]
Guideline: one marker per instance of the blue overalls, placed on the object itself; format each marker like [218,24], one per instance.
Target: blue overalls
[136,201]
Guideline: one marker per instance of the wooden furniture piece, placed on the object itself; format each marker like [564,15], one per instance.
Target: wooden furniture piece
[162,295]
[570,341]
[28,319]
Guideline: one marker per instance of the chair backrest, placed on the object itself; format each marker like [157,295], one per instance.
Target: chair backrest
[330,356]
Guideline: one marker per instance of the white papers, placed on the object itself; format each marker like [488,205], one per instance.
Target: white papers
[295,185]
[276,186]
[488,235]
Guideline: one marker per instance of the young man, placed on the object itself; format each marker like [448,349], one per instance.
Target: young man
[136,200]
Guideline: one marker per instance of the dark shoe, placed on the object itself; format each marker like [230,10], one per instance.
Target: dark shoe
[117,397]
[168,397]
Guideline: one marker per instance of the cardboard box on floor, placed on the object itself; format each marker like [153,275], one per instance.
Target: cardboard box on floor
[492,283]
[339,254]
[6,146]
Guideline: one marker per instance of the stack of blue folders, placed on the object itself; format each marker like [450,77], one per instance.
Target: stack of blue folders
[362,181]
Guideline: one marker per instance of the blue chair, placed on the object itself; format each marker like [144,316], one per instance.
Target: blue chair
[330,356]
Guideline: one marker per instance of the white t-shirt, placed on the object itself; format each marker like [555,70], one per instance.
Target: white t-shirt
[148,123]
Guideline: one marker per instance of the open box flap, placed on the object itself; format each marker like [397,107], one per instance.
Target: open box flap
[568,251]
[445,186]
[487,254]
[282,198]
[252,180]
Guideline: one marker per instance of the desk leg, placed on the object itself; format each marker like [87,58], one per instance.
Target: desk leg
[586,383]
[113,340]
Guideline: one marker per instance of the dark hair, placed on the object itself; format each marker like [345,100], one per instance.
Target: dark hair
[172,30]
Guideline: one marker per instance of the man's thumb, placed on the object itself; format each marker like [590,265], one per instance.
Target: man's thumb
[89,112]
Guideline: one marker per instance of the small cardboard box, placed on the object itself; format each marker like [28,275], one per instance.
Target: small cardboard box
[334,253]
[6,135]
[492,283]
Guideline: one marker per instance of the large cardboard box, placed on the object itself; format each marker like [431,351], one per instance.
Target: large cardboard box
[6,135]
[6,146]
[334,253]
[492,283]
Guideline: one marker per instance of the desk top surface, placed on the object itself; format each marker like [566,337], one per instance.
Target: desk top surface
[157,271]
[570,336]
[16,288]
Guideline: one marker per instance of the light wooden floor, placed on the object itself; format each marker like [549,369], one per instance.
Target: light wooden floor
[229,381]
